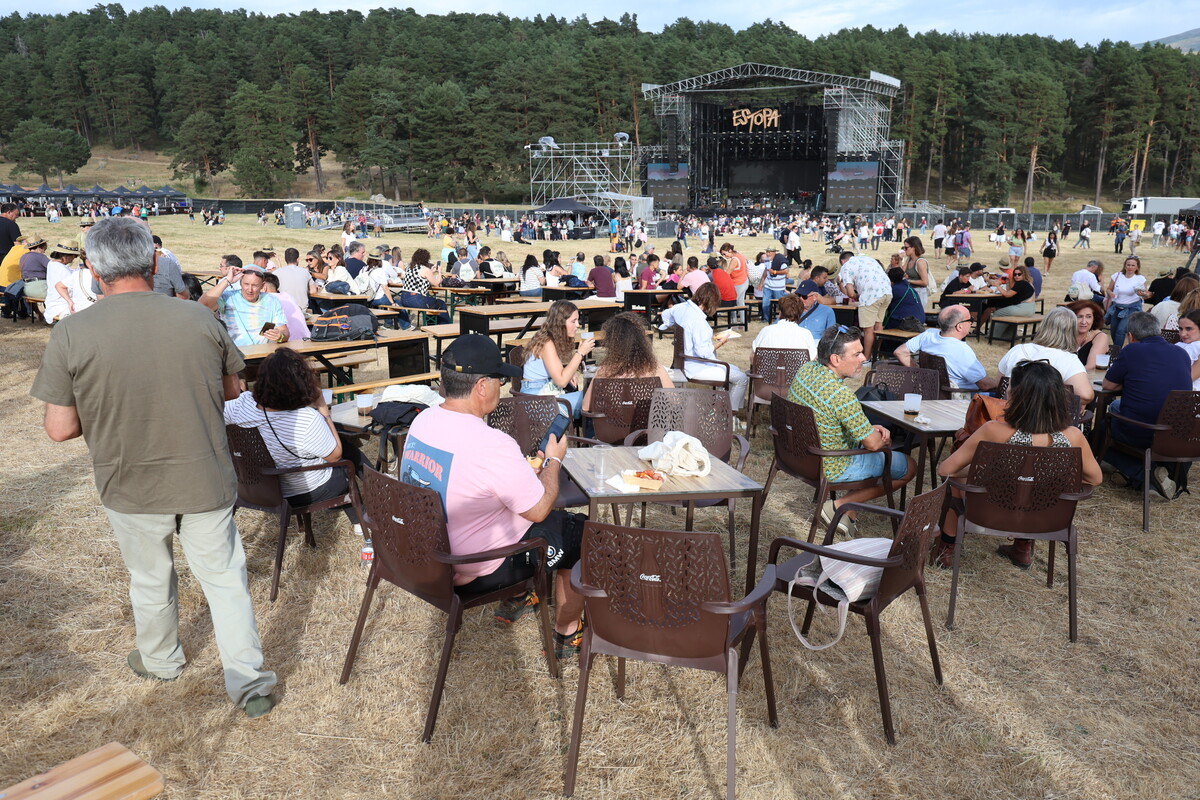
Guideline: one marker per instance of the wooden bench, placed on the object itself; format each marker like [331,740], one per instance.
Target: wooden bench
[371,386]
[37,309]
[425,313]
[347,362]
[1020,324]
[896,335]
[111,772]
[448,331]
[516,299]
[729,312]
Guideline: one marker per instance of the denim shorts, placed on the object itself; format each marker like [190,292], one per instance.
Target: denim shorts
[870,465]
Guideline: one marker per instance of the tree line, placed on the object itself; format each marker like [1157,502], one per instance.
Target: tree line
[441,106]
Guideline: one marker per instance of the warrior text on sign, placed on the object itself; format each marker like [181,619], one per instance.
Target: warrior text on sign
[763,118]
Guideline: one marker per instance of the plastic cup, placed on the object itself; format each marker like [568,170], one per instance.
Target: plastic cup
[364,402]
[912,404]
[1102,361]
[328,395]
[587,335]
[600,460]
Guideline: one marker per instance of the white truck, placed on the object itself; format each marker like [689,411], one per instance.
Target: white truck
[1158,206]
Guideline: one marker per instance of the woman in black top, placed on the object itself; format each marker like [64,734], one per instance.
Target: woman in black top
[1014,301]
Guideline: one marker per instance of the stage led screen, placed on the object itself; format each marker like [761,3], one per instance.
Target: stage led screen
[773,177]
[852,186]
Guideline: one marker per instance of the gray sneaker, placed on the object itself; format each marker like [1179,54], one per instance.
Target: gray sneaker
[1162,483]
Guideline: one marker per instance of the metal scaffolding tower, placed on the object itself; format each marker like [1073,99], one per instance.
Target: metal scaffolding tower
[863,124]
[586,171]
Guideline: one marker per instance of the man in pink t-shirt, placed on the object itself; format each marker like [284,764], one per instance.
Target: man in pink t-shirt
[492,496]
[694,278]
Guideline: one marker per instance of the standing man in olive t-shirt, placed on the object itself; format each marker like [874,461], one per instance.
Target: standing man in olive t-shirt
[152,418]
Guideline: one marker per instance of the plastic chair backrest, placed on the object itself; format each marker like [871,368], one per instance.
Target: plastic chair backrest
[250,457]
[625,404]
[516,357]
[938,364]
[778,366]
[526,418]
[901,380]
[1182,413]
[911,543]
[703,413]
[1023,486]
[406,525]
[795,429]
[655,582]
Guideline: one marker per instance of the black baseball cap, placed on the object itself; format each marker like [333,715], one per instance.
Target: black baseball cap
[476,354]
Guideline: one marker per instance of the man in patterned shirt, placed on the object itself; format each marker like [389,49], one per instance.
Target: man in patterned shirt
[864,280]
[842,425]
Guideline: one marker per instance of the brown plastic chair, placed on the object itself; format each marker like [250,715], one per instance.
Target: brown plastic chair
[903,569]
[620,406]
[516,357]
[901,380]
[707,415]
[1176,439]
[680,359]
[663,597]
[1022,492]
[527,418]
[772,370]
[798,453]
[1172,336]
[412,550]
[938,364]
[259,487]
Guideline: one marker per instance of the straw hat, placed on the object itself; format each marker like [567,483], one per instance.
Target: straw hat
[68,248]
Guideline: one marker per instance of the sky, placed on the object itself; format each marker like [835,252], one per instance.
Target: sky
[1083,21]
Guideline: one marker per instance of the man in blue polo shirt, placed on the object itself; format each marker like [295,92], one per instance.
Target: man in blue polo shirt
[1146,371]
[962,365]
[817,316]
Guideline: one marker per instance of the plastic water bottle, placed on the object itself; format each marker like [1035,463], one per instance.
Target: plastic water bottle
[368,553]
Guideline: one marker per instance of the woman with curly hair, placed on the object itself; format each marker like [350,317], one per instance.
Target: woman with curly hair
[290,413]
[628,354]
[552,360]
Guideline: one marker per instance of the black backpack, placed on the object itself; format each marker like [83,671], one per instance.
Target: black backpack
[344,323]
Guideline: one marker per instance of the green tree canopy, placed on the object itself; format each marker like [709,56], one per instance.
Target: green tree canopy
[35,148]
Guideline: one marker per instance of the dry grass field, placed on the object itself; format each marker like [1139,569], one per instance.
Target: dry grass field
[1023,713]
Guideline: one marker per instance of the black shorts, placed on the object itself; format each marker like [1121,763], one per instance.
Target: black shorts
[937,244]
[562,530]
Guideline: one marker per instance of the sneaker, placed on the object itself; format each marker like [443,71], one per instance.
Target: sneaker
[134,660]
[846,526]
[568,646]
[941,555]
[1162,483]
[513,609]
[259,705]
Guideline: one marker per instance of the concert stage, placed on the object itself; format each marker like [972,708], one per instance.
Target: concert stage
[763,137]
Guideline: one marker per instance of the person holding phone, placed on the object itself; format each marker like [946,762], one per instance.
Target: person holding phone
[492,496]
[553,360]
[251,316]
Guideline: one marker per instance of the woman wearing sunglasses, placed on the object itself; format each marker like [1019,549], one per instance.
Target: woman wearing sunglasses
[1015,300]
[1037,415]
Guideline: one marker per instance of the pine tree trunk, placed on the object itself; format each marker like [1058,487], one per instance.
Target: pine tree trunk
[316,157]
[1100,169]
[1145,179]
[1027,206]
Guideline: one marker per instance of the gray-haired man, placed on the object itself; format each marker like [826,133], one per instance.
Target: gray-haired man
[158,473]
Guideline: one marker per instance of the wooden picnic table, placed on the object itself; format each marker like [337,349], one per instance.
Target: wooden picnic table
[723,482]
[647,299]
[207,277]
[478,319]
[408,352]
[551,293]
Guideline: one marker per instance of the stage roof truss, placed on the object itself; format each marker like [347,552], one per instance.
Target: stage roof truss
[751,71]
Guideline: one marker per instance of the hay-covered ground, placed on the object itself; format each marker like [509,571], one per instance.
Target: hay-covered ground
[1022,714]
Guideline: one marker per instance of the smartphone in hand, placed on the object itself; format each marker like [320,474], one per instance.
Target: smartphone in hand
[266,327]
